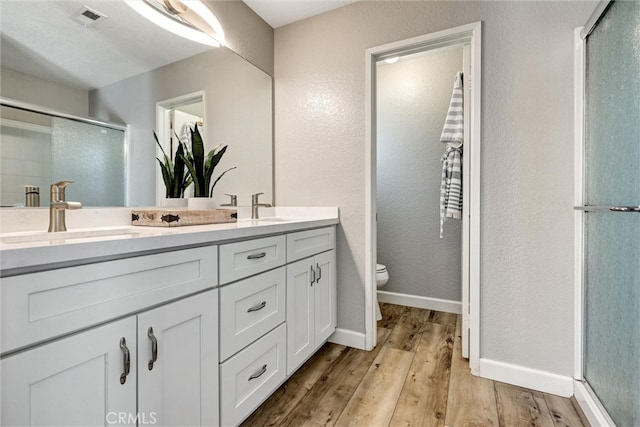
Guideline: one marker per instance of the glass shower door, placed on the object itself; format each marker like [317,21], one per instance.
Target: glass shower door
[612,212]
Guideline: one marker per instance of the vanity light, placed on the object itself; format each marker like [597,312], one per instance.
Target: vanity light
[190,19]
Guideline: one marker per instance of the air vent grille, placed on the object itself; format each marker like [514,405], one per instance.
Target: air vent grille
[91,15]
[87,17]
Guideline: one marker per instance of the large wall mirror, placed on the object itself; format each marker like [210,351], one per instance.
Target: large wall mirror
[120,70]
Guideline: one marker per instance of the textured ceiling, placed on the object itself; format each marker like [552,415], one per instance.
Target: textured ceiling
[39,39]
[282,12]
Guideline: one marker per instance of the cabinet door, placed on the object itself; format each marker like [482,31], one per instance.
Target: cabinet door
[181,387]
[300,340]
[324,291]
[74,381]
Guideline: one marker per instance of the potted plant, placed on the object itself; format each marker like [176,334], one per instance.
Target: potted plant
[174,175]
[200,168]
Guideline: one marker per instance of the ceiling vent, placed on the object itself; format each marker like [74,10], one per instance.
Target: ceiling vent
[88,17]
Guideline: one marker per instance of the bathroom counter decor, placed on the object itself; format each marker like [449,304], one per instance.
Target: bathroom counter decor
[164,217]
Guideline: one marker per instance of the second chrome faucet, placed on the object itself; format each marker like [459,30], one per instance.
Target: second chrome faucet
[58,207]
[255,205]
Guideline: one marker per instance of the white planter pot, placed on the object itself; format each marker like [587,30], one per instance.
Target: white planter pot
[200,203]
[173,203]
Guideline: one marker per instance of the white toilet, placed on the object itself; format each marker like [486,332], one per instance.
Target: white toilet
[382,277]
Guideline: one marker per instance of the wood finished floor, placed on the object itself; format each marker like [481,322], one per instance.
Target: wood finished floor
[414,377]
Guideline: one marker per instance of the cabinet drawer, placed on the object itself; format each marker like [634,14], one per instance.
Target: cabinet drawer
[243,259]
[306,243]
[39,306]
[251,375]
[251,308]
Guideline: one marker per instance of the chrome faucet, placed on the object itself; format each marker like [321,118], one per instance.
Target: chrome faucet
[255,205]
[58,207]
[233,200]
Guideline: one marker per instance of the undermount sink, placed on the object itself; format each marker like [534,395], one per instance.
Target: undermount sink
[44,236]
[266,220]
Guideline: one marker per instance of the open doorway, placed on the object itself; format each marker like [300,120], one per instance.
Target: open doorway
[467,39]
[173,119]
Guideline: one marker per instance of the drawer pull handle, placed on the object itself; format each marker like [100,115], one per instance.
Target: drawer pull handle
[319,272]
[257,256]
[127,360]
[313,275]
[257,307]
[259,373]
[154,348]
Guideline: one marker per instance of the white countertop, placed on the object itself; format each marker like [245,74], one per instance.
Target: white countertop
[121,238]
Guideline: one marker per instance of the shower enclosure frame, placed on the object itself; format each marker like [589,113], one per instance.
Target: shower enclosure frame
[470,35]
[593,409]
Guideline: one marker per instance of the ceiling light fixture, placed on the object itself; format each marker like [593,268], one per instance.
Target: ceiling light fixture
[190,19]
[392,60]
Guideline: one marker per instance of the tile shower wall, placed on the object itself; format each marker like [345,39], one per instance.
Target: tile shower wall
[25,159]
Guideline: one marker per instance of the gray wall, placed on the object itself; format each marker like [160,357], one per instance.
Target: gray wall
[527,152]
[412,98]
[245,32]
[46,93]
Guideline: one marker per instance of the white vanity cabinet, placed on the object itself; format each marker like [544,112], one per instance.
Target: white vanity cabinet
[196,329]
[90,378]
[72,381]
[99,373]
[311,294]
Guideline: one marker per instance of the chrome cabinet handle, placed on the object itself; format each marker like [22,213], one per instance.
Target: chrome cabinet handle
[257,307]
[258,373]
[319,272]
[313,276]
[127,360]
[257,256]
[154,348]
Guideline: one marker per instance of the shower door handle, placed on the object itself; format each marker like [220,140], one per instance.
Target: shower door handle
[608,208]
[625,209]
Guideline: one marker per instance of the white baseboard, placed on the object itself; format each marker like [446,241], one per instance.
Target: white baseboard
[522,376]
[448,306]
[591,408]
[349,338]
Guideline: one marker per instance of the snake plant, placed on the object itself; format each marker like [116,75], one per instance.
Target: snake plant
[173,172]
[200,168]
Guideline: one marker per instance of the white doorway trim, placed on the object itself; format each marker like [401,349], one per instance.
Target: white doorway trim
[470,35]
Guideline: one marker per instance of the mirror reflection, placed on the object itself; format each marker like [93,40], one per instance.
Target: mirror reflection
[123,71]
[40,149]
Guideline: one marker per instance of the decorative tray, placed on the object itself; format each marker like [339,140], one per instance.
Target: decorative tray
[164,217]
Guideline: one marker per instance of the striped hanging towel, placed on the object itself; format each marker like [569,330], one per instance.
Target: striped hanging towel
[453,131]
[453,136]
[451,187]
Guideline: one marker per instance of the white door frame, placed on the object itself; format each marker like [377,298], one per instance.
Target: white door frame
[470,35]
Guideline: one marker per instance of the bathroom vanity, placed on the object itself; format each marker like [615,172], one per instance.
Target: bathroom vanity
[185,326]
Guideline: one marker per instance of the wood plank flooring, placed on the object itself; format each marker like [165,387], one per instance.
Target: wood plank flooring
[415,376]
